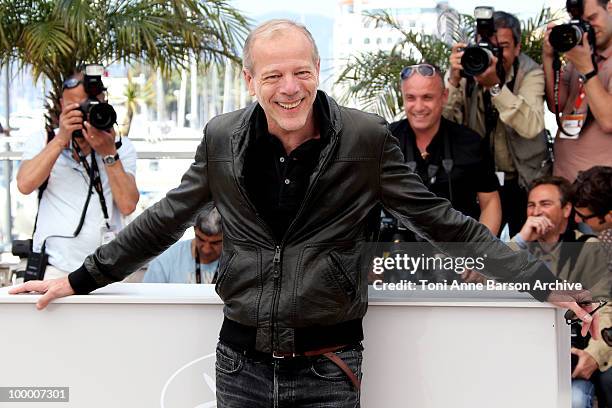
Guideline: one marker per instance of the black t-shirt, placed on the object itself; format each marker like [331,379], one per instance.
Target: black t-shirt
[276,182]
[472,170]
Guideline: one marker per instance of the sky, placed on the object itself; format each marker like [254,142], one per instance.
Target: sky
[328,7]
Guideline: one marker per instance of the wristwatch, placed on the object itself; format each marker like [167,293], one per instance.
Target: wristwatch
[585,77]
[495,90]
[110,159]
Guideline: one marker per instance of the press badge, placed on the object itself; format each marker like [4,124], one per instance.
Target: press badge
[572,125]
[108,234]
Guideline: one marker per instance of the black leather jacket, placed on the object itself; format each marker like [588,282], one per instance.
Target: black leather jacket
[314,275]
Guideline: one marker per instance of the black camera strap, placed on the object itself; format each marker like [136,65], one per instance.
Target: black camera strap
[94,175]
[37,261]
[432,169]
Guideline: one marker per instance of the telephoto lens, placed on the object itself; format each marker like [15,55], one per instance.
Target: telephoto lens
[564,37]
[476,60]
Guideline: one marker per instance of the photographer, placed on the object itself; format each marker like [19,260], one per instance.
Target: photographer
[61,165]
[507,112]
[585,92]
[592,199]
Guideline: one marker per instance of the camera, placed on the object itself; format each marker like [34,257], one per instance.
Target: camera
[564,37]
[477,58]
[100,115]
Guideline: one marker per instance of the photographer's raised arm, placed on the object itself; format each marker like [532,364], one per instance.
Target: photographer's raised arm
[33,172]
[122,184]
[523,109]
[599,95]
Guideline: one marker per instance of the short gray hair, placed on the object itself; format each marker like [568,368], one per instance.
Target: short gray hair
[269,27]
[501,19]
[208,220]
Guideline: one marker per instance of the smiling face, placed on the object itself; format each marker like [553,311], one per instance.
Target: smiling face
[424,98]
[545,200]
[284,77]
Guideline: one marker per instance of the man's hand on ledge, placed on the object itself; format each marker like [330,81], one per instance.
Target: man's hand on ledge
[569,299]
[50,289]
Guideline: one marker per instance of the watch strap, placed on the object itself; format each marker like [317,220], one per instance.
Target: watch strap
[110,159]
[585,77]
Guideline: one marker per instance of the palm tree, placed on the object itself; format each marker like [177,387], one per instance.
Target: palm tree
[55,37]
[372,78]
[136,95]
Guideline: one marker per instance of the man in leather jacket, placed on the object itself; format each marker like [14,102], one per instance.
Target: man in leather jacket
[294,177]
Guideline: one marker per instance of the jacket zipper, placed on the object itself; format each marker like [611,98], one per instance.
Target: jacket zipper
[276,264]
[276,273]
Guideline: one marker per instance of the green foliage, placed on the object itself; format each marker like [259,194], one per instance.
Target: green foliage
[532,32]
[55,37]
[372,78]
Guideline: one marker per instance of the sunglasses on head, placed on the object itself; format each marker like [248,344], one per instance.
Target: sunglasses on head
[71,83]
[425,70]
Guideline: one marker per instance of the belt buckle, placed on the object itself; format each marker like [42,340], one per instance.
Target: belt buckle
[281,356]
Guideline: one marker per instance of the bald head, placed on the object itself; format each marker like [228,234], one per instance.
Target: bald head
[269,30]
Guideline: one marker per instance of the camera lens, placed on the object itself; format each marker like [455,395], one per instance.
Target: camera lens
[564,37]
[476,60]
[102,116]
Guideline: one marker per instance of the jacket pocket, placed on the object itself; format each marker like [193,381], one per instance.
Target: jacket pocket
[239,283]
[225,266]
[325,288]
[342,277]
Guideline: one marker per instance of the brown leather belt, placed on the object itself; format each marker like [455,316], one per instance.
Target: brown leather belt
[328,352]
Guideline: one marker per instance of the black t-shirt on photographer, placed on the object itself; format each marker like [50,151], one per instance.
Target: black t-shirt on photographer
[472,171]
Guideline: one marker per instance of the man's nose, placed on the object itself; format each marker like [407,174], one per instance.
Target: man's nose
[419,105]
[289,85]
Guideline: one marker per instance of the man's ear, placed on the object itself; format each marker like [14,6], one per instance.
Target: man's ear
[444,96]
[249,80]
[567,210]
[517,50]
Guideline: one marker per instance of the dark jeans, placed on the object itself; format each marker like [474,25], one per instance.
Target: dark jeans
[514,206]
[307,382]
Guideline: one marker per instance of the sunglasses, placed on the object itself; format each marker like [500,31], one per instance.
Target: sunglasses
[585,217]
[71,83]
[570,315]
[425,70]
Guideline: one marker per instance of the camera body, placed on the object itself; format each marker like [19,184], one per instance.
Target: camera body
[478,57]
[100,115]
[564,37]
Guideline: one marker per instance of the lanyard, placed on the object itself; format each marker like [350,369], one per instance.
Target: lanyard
[94,174]
[580,97]
[198,272]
